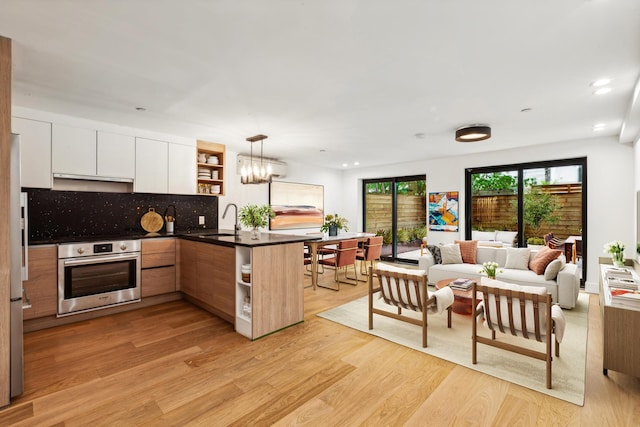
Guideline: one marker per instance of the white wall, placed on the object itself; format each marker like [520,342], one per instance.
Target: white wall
[244,194]
[610,198]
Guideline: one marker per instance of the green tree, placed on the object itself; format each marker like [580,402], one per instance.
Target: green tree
[540,207]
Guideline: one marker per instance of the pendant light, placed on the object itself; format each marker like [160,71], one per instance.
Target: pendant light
[256,172]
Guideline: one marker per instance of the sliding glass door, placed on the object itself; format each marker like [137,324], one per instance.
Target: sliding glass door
[395,208]
[535,200]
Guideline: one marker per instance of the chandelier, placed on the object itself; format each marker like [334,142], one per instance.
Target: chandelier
[256,172]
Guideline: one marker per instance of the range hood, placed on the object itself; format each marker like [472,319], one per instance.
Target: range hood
[70,182]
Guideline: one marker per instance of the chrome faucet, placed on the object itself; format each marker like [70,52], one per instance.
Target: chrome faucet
[236,227]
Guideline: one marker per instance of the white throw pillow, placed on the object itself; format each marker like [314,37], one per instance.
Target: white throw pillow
[451,254]
[517,258]
[554,267]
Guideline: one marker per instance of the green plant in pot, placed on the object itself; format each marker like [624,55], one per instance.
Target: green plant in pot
[255,217]
[333,223]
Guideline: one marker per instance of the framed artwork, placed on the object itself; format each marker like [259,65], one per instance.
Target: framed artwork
[443,211]
[296,205]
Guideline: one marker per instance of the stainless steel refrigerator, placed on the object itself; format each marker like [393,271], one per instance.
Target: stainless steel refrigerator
[19,260]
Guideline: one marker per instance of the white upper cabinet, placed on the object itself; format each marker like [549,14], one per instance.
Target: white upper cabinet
[73,150]
[35,152]
[151,166]
[116,155]
[182,169]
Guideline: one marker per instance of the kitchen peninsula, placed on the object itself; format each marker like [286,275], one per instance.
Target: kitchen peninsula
[271,299]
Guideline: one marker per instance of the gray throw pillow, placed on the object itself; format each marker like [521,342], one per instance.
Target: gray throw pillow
[451,254]
[435,252]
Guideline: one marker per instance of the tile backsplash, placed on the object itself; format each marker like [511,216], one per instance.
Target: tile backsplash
[56,215]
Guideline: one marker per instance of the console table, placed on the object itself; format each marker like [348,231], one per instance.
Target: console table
[621,325]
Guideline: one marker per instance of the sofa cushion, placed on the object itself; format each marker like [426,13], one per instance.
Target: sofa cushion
[517,258]
[451,254]
[488,236]
[506,237]
[542,259]
[554,267]
[435,252]
[468,250]
[485,254]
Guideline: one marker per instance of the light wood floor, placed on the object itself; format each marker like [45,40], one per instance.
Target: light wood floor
[174,364]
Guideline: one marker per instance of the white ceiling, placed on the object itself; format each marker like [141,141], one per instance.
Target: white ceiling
[357,79]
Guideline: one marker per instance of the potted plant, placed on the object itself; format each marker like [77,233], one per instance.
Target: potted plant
[616,249]
[535,243]
[333,223]
[254,217]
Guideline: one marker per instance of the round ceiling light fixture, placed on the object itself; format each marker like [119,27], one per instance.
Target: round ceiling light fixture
[473,133]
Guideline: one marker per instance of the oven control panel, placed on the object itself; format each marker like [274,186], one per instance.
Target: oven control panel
[73,250]
[103,248]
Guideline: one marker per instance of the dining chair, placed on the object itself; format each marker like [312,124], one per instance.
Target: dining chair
[344,256]
[370,252]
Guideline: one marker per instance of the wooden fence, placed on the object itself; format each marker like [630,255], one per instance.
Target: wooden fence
[412,212]
[498,211]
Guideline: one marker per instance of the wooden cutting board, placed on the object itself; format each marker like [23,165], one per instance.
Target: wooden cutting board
[152,221]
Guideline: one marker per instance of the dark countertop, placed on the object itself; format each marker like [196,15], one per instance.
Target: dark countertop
[213,236]
[244,239]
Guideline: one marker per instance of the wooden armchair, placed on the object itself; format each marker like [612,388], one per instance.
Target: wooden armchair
[406,289]
[553,242]
[344,256]
[523,311]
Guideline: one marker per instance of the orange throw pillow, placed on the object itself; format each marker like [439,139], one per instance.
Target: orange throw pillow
[543,258]
[468,250]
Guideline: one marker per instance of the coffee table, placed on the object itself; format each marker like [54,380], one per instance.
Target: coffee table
[462,300]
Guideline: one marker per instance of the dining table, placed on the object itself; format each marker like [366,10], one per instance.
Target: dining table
[320,240]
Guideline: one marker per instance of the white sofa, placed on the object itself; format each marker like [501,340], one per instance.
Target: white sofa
[500,239]
[564,288]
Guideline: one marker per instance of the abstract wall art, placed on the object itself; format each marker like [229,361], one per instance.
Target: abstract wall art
[296,205]
[443,211]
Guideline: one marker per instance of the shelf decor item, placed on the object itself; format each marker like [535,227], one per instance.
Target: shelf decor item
[254,217]
[616,249]
[490,268]
[333,223]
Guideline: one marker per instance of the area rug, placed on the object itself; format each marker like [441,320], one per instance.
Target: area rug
[454,345]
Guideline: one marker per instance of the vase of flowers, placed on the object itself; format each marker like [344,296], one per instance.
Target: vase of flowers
[489,268]
[616,249]
[333,223]
[254,217]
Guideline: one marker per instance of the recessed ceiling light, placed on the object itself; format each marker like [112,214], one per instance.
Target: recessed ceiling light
[419,135]
[344,165]
[601,82]
[322,150]
[599,126]
[602,91]
[141,109]
[356,163]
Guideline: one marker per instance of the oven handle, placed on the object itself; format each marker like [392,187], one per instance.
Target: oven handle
[100,260]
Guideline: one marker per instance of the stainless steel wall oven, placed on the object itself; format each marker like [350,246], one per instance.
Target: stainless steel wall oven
[97,275]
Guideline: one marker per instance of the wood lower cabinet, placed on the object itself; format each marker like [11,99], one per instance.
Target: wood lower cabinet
[276,291]
[158,275]
[620,326]
[207,277]
[42,286]
[187,262]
